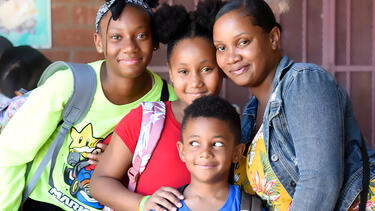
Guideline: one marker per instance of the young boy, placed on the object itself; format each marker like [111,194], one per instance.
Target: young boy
[210,144]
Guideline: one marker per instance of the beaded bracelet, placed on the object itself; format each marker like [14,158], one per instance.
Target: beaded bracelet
[142,203]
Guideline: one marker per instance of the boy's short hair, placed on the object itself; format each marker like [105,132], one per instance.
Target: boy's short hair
[214,107]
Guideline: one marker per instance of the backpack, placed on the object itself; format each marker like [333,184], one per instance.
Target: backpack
[248,202]
[74,111]
[10,107]
[153,116]
[84,80]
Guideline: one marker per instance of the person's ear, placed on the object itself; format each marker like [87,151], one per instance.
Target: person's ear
[180,147]
[98,43]
[274,36]
[238,151]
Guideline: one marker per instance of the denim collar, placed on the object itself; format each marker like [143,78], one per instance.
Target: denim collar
[282,68]
[251,107]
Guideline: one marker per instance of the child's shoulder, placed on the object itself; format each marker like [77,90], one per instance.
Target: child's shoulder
[96,64]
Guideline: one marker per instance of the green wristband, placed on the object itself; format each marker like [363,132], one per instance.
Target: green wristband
[143,202]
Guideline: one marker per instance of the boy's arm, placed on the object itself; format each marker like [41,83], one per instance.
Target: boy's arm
[27,132]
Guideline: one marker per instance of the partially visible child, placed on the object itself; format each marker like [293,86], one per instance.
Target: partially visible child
[21,67]
[194,73]
[124,33]
[4,44]
[210,145]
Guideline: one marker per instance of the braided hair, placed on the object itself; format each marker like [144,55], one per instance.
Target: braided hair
[117,6]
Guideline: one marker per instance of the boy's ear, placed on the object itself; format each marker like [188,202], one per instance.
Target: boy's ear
[238,151]
[180,147]
[98,43]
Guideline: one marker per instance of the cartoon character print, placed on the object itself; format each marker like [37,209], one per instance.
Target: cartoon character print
[78,173]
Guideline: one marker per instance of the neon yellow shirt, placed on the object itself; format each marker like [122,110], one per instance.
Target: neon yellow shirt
[32,129]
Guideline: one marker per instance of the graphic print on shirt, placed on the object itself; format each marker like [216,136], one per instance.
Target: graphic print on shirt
[78,173]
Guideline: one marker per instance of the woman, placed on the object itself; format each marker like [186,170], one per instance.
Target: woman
[305,151]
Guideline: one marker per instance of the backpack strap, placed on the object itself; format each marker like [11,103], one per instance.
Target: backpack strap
[250,202]
[164,92]
[152,125]
[365,176]
[74,111]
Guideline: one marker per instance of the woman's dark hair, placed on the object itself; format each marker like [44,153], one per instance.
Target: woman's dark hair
[212,106]
[260,13]
[176,23]
[21,67]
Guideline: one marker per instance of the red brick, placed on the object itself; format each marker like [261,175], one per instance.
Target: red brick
[85,56]
[56,55]
[83,14]
[67,37]
[59,14]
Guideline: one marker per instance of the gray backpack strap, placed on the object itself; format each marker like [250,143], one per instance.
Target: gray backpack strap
[74,111]
[256,203]
[250,202]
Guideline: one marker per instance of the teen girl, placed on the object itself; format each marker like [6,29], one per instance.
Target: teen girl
[305,151]
[124,34]
[194,73]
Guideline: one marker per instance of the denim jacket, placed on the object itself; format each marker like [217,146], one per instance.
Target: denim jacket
[312,138]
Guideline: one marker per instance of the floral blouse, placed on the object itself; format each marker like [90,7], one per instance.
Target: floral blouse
[254,175]
[260,177]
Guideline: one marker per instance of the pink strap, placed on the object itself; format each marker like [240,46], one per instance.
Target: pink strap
[151,128]
[152,125]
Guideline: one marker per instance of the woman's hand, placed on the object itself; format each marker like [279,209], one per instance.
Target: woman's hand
[95,156]
[166,198]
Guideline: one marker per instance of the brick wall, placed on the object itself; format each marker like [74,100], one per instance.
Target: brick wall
[73,25]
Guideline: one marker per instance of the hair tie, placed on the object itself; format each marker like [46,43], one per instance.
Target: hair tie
[116,7]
